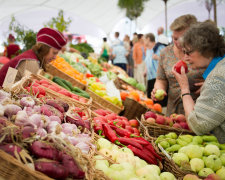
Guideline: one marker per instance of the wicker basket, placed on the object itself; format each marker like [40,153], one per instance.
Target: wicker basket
[121,84]
[133,109]
[56,72]
[26,80]
[155,130]
[12,169]
[103,102]
[41,73]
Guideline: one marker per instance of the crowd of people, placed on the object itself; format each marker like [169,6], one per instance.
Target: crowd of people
[199,93]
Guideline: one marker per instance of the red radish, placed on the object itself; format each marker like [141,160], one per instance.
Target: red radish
[41,90]
[43,150]
[40,96]
[45,85]
[10,149]
[178,66]
[34,91]
[54,104]
[43,81]
[51,169]
[35,84]
[72,167]
[27,102]
[65,92]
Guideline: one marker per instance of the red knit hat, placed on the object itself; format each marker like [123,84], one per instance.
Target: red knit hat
[51,37]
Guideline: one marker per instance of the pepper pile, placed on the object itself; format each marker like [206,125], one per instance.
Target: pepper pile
[115,130]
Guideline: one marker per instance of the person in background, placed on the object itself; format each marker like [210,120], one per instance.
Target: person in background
[130,58]
[169,56]
[138,57]
[12,49]
[48,43]
[68,45]
[204,48]
[116,40]
[161,37]
[119,55]
[151,64]
[105,52]
[135,35]
[126,44]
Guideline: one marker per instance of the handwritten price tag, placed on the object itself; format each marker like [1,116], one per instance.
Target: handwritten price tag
[10,78]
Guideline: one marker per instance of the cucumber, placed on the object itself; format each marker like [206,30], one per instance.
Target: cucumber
[59,82]
[76,89]
[68,84]
[86,95]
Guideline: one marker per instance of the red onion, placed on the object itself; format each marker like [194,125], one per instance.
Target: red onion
[27,102]
[41,132]
[55,118]
[11,109]
[69,129]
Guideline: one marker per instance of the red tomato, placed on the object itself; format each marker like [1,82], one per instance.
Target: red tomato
[45,85]
[35,84]
[41,90]
[43,81]
[35,90]
[134,123]
[40,96]
[178,66]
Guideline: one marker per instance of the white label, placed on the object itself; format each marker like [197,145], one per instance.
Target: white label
[10,78]
[164,152]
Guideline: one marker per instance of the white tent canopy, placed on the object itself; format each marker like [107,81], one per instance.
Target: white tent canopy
[99,18]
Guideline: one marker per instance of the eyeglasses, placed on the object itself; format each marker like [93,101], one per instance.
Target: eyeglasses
[188,52]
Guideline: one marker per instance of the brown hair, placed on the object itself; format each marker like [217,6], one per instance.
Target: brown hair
[205,38]
[41,50]
[150,36]
[183,22]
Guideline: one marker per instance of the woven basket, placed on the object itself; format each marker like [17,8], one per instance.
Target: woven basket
[133,109]
[168,164]
[26,80]
[12,169]
[155,130]
[41,73]
[121,84]
[56,72]
[103,102]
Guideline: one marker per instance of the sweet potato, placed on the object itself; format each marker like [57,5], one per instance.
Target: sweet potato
[10,149]
[73,169]
[51,111]
[43,150]
[51,169]
[55,104]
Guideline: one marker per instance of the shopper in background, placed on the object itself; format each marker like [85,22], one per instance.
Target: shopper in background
[169,56]
[105,52]
[119,55]
[204,47]
[138,57]
[116,40]
[151,64]
[68,45]
[161,37]
[49,43]
[126,44]
[12,49]
[130,59]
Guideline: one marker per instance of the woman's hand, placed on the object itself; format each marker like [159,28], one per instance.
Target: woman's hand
[182,80]
[200,87]
[153,94]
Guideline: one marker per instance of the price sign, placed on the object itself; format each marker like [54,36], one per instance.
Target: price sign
[164,152]
[10,78]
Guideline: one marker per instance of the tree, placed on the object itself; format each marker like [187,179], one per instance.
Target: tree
[59,22]
[23,35]
[133,8]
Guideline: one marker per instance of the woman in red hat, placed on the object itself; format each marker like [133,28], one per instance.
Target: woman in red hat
[12,49]
[48,43]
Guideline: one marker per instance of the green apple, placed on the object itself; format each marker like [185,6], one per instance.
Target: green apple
[179,158]
[196,164]
[167,176]
[103,143]
[101,165]
[213,162]
[171,135]
[164,144]
[182,142]
[173,148]
[187,138]
[197,139]
[209,138]
[159,94]
[106,152]
[114,154]
[171,141]
[222,146]
[116,167]
[221,173]
[148,169]
[183,149]
[222,158]
[194,151]
[139,163]
[205,172]
[211,149]
[126,150]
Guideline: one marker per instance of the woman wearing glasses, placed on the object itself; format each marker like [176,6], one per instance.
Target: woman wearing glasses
[168,58]
[204,47]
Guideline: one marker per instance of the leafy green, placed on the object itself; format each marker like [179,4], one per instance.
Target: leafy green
[83,48]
